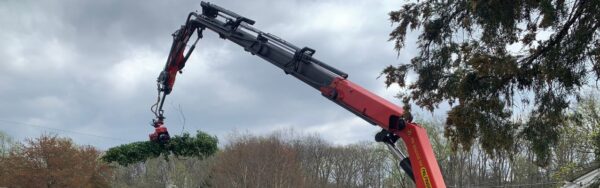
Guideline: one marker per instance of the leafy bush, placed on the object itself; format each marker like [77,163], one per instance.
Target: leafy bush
[201,146]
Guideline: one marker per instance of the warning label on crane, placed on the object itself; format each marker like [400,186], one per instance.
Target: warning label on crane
[425,177]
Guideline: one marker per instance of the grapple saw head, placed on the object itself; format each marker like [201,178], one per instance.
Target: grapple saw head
[160,135]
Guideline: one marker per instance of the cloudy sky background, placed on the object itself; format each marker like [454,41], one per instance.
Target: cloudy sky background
[87,69]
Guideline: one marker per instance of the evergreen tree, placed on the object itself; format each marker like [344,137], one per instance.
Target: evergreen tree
[483,57]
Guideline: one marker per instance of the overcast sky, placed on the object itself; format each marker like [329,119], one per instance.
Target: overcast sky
[87,69]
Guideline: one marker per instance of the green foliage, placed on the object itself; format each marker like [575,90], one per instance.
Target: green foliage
[465,60]
[201,146]
[565,171]
[596,144]
[587,118]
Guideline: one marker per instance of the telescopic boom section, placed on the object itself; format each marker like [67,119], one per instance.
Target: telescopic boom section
[332,83]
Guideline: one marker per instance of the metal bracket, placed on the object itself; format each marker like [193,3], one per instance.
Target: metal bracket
[212,11]
[258,45]
[302,55]
[396,123]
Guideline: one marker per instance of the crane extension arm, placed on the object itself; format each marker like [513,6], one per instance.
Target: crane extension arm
[300,63]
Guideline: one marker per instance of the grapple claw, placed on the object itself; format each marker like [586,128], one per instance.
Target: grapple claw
[160,135]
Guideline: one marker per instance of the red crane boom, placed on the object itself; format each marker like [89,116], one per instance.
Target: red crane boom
[422,166]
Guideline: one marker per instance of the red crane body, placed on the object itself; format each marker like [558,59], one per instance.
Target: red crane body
[298,62]
[414,136]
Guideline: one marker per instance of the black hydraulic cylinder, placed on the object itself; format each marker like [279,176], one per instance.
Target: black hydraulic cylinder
[217,8]
[308,69]
[405,165]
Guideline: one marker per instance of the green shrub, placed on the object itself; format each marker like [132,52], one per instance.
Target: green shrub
[202,145]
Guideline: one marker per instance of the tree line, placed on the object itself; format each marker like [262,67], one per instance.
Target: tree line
[291,159]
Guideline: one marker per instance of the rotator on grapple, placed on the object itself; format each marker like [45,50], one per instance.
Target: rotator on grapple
[332,83]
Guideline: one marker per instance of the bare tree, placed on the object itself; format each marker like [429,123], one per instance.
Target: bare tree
[51,161]
[258,162]
[6,143]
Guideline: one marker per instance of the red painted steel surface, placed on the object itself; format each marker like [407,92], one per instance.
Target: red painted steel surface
[424,164]
[172,70]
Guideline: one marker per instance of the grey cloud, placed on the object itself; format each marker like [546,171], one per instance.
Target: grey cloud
[90,66]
